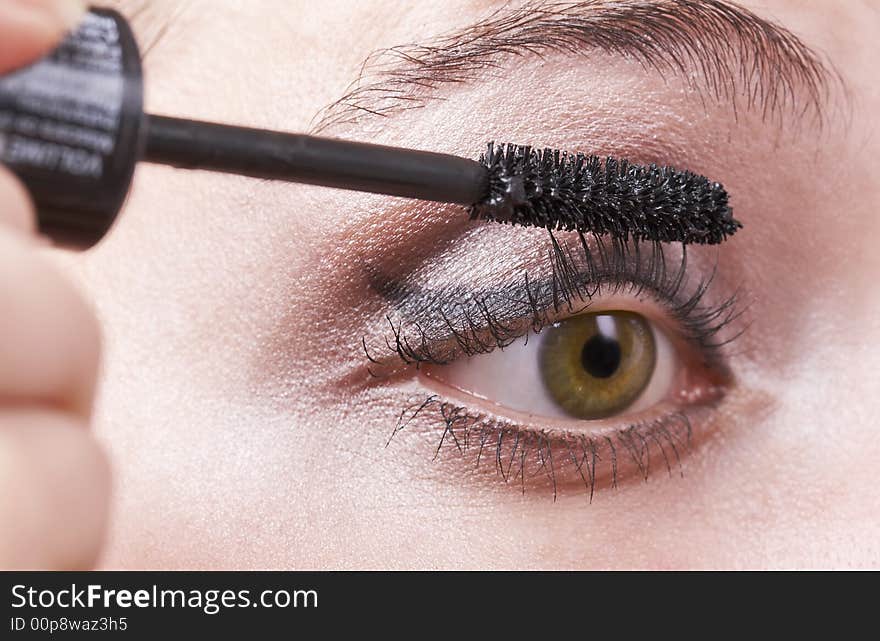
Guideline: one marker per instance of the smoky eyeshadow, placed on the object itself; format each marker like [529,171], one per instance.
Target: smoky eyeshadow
[439,323]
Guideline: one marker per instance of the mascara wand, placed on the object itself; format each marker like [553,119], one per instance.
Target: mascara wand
[510,184]
[72,127]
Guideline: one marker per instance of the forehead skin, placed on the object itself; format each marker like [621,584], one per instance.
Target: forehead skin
[237,443]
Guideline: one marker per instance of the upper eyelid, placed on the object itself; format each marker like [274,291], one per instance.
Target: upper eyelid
[479,321]
[624,264]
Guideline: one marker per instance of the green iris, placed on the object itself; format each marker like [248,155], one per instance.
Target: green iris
[596,365]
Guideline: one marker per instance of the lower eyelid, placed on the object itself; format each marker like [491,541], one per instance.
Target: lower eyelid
[700,394]
[595,453]
[459,421]
[550,458]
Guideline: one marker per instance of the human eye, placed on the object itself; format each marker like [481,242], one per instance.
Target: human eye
[597,367]
[591,366]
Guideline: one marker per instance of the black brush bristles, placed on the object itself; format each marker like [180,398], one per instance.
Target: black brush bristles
[574,192]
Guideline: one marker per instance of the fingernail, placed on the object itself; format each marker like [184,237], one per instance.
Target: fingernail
[69,12]
[64,13]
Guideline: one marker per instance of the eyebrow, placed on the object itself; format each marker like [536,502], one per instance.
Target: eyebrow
[721,50]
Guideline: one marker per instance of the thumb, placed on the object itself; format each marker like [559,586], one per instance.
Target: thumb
[30,28]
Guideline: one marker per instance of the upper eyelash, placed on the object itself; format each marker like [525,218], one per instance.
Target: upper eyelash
[478,322]
[468,323]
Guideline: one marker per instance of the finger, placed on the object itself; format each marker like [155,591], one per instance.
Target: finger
[54,491]
[16,209]
[49,338]
[30,28]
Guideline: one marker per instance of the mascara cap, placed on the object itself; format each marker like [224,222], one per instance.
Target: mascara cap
[71,128]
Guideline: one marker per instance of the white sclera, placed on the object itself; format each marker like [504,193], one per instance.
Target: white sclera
[511,377]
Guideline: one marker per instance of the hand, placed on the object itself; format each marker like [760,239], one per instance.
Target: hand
[54,478]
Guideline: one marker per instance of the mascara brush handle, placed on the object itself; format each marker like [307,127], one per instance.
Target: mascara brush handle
[313,160]
[72,128]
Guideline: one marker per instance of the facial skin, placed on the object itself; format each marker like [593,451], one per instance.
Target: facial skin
[242,428]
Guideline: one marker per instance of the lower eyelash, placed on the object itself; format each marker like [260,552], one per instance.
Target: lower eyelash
[458,322]
[556,458]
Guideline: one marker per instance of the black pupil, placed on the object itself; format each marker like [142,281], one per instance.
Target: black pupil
[601,356]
